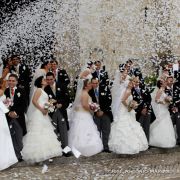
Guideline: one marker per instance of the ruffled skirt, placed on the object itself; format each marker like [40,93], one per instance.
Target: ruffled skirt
[40,143]
[127,135]
[83,134]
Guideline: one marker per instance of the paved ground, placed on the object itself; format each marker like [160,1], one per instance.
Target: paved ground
[152,164]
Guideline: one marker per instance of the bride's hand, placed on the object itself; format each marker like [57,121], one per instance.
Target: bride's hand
[99,113]
[44,111]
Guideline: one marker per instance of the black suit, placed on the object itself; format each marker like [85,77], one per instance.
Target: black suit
[143,98]
[24,78]
[19,106]
[62,97]
[174,92]
[104,122]
[17,126]
[62,77]
[103,77]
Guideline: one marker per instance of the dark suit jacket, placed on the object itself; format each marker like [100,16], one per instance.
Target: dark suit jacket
[144,101]
[62,97]
[19,106]
[63,77]
[103,77]
[105,100]
[176,95]
[169,92]
[24,79]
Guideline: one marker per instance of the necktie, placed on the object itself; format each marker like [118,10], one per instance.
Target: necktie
[54,73]
[96,92]
[138,91]
[54,89]
[12,91]
[97,73]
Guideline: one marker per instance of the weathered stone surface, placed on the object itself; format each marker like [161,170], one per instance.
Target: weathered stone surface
[152,164]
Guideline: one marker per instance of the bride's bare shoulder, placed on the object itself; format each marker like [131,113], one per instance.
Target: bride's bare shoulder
[1,92]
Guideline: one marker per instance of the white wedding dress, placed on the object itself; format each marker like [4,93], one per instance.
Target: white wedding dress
[7,153]
[162,133]
[83,133]
[127,136]
[40,143]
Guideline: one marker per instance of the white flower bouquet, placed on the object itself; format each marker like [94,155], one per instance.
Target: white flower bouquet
[50,105]
[8,102]
[94,107]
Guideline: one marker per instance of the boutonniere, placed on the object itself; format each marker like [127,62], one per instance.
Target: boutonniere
[50,96]
[58,89]
[18,94]
[24,67]
[102,94]
[60,74]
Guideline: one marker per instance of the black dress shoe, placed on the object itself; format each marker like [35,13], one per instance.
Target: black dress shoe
[20,160]
[67,154]
[107,151]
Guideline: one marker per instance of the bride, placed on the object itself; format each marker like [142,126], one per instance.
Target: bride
[41,70]
[40,142]
[162,133]
[127,136]
[7,153]
[83,133]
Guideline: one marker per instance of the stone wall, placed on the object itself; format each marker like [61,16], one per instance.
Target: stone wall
[118,30]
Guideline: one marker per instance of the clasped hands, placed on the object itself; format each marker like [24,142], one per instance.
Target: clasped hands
[13,115]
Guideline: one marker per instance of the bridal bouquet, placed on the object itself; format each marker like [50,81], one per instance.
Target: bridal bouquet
[50,106]
[168,99]
[94,107]
[8,102]
[132,105]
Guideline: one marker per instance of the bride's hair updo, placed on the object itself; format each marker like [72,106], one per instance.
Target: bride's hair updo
[89,64]
[44,64]
[121,67]
[85,83]
[38,82]
[159,83]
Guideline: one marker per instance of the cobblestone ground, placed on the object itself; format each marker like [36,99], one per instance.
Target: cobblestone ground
[152,164]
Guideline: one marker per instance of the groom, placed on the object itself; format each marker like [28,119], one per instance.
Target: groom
[103,118]
[144,113]
[15,116]
[59,92]
[173,90]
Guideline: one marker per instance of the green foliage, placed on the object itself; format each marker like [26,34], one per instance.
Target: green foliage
[151,80]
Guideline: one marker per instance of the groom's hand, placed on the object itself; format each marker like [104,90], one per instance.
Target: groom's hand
[13,115]
[59,106]
[99,113]
[144,111]
[44,111]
